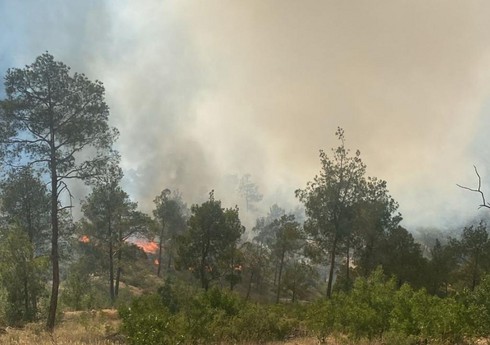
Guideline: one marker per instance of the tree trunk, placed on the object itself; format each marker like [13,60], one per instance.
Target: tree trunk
[119,261]
[160,254]
[53,303]
[279,276]
[204,282]
[27,316]
[249,288]
[118,279]
[118,273]
[275,274]
[474,274]
[232,270]
[169,262]
[111,273]
[347,272]
[204,264]
[332,267]
[202,274]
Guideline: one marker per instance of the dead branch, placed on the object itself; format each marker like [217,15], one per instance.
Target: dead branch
[479,191]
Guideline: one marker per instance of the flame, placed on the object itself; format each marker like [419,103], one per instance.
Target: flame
[84,239]
[156,262]
[148,247]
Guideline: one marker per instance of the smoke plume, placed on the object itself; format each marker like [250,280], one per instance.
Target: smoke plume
[205,92]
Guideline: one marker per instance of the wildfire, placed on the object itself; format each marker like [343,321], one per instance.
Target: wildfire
[156,262]
[84,239]
[148,247]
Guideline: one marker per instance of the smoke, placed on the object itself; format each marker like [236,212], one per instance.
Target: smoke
[204,91]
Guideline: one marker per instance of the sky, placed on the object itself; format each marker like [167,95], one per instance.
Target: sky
[204,92]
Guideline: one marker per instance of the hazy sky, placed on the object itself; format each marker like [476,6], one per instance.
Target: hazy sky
[205,90]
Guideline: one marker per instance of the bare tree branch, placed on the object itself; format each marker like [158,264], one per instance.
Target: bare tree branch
[484,202]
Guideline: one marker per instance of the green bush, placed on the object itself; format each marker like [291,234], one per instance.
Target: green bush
[366,309]
[362,313]
[202,318]
[259,323]
[321,318]
[479,309]
[410,311]
[375,309]
[147,321]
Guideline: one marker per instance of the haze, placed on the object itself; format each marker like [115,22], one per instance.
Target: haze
[204,92]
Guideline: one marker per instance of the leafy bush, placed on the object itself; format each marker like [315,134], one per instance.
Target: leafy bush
[259,323]
[148,321]
[410,310]
[418,315]
[366,310]
[202,318]
[321,318]
[479,309]
[375,309]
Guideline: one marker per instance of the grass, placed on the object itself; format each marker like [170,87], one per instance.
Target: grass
[88,328]
[76,328]
[101,328]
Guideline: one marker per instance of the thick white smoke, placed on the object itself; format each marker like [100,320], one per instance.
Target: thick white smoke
[205,91]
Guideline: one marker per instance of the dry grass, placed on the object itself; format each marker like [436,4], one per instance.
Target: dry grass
[76,328]
[100,328]
[299,341]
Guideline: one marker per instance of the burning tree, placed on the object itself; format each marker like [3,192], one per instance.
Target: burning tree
[171,215]
[110,219]
[56,122]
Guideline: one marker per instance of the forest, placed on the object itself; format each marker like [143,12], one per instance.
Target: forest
[340,269]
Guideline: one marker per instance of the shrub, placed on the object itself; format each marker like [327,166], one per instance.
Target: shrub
[321,319]
[479,309]
[147,321]
[366,310]
[203,318]
[261,323]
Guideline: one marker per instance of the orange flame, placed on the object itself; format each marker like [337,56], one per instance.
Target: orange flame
[156,262]
[84,239]
[148,247]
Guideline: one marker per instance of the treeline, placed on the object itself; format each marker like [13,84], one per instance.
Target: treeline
[374,311]
[54,129]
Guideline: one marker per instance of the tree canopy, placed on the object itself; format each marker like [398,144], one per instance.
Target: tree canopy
[55,122]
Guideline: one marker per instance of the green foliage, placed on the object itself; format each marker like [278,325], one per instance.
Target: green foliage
[171,215]
[375,309]
[57,123]
[202,318]
[82,291]
[402,257]
[168,297]
[22,276]
[363,313]
[207,247]
[346,209]
[322,317]
[472,254]
[110,219]
[369,304]
[147,321]
[299,279]
[479,308]
[25,204]
[419,315]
